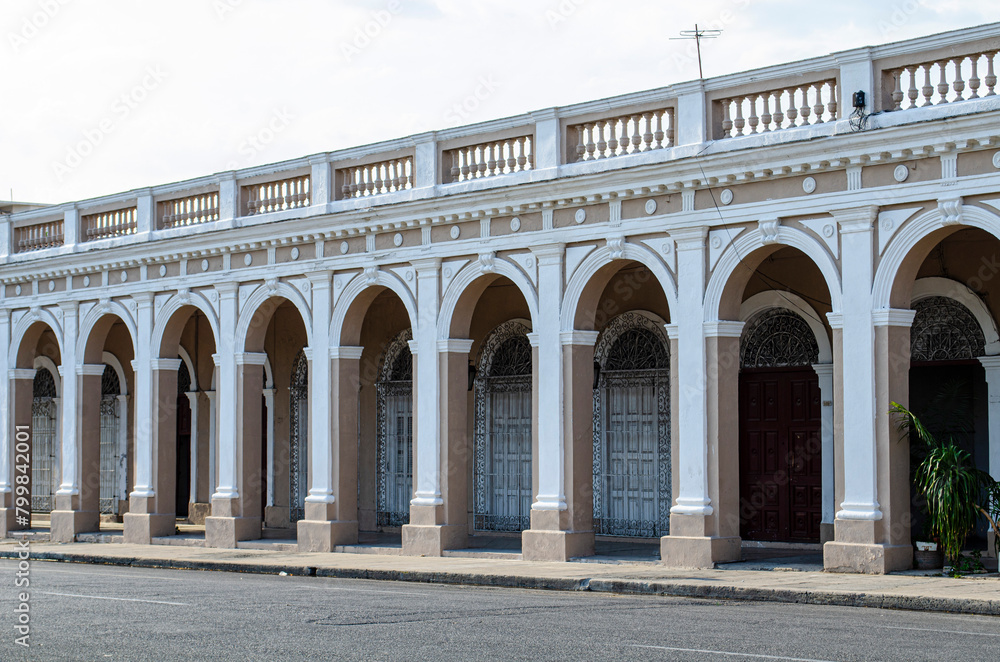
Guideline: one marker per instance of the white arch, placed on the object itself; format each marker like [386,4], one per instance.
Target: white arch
[751,241]
[601,258]
[183,353]
[910,234]
[472,272]
[110,359]
[94,316]
[257,299]
[777,299]
[50,365]
[359,284]
[945,287]
[268,374]
[175,303]
[22,326]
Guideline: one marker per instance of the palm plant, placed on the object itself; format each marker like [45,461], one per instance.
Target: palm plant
[949,481]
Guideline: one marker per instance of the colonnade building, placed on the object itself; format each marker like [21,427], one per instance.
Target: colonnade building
[680,314]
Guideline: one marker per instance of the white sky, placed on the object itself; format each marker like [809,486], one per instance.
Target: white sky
[101,96]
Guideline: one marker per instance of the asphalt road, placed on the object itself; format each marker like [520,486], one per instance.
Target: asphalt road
[84,612]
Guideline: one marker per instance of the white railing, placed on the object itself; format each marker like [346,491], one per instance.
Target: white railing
[376,178]
[944,80]
[280,195]
[41,235]
[623,134]
[491,159]
[116,223]
[192,210]
[781,108]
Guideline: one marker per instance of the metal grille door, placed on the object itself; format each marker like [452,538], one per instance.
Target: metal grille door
[395,434]
[110,454]
[44,474]
[299,438]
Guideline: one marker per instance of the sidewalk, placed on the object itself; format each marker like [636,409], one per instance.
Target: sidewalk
[979,594]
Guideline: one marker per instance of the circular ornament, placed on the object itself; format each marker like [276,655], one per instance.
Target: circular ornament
[665,248]
[447,273]
[828,230]
[397,239]
[996,160]
[248,259]
[52,285]
[295,252]
[204,265]
[17,290]
[580,216]
[86,280]
[124,276]
[716,242]
[901,173]
[456,232]
[344,247]
[409,275]
[809,184]
[515,224]
[650,206]
[726,196]
[163,270]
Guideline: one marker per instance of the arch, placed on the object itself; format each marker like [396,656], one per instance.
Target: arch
[24,326]
[359,292]
[929,225]
[268,375]
[165,316]
[751,242]
[50,365]
[261,295]
[625,322]
[393,362]
[394,442]
[497,340]
[600,260]
[935,286]
[473,272]
[110,359]
[94,317]
[186,358]
[762,301]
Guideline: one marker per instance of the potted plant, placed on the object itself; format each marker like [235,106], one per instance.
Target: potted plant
[949,481]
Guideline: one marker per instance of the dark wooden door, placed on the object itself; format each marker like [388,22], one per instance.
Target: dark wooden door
[780,455]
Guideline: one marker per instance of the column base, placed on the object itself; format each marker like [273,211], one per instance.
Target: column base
[141,528]
[826,532]
[197,512]
[991,550]
[225,532]
[870,559]
[698,551]
[433,539]
[8,522]
[323,536]
[555,545]
[65,524]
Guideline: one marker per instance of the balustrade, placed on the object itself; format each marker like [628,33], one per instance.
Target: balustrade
[624,134]
[41,235]
[945,80]
[376,178]
[280,195]
[116,223]
[491,159]
[193,209]
[777,109]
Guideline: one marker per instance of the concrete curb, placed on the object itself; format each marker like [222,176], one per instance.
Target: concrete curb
[622,586]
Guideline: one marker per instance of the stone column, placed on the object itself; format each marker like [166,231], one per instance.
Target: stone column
[269,404]
[192,397]
[825,373]
[9,431]
[992,366]
[19,399]
[212,445]
[433,529]
[333,520]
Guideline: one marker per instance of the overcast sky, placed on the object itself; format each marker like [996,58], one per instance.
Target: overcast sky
[101,96]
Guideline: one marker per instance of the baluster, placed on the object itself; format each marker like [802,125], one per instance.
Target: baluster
[602,144]
[912,92]
[613,140]
[658,134]
[647,137]
[793,112]
[522,157]
[991,79]
[974,78]
[897,91]
[581,146]
[942,86]
[753,120]
[355,182]
[588,128]
[739,122]
[765,116]
[456,169]
[465,165]
[670,127]
[483,157]
[927,90]
[818,106]
[727,124]
[492,163]
[832,104]
[378,178]
[959,85]
[804,109]
[778,116]
[636,136]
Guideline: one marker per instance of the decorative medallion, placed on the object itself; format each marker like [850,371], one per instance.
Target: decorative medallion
[456,232]
[828,230]
[204,265]
[86,280]
[809,184]
[295,252]
[17,290]
[996,160]
[124,276]
[580,216]
[248,259]
[344,247]
[726,197]
[901,173]
[397,239]
[163,270]
[515,224]
[52,285]
[650,206]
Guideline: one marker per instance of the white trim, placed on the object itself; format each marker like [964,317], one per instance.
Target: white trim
[580,338]
[168,365]
[50,365]
[893,317]
[455,345]
[25,373]
[175,303]
[723,329]
[186,358]
[762,301]
[348,352]
[90,370]
[26,322]
[262,294]
[95,314]
[116,365]
[356,287]
[960,292]
[251,358]
[473,272]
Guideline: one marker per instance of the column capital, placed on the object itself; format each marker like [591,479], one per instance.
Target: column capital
[893,317]
[723,329]
[251,358]
[144,298]
[836,320]
[227,289]
[990,362]
[21,373]
[323,278]
[455,345]
[549,253]
[533,338]
[90,369]
[346,352]
[68,308]
[823,369]
[413,345]
[426,264]
[308,351]
[579,338]
[672,331]
[689,238]
[856,219]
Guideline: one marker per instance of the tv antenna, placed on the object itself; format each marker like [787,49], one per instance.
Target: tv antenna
[698,35]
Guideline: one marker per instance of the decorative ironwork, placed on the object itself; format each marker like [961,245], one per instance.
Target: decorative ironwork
[183,379]
[945,330]
[110,384]
[632,462]
[778,337]
[394,423]
[298,437]
[502,474]
[112,460]
[44,428]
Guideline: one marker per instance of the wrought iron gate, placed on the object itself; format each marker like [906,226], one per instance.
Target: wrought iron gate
[298,462]
[111,452]
[632,492]
[44,437]
[503,431]
[394,390]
